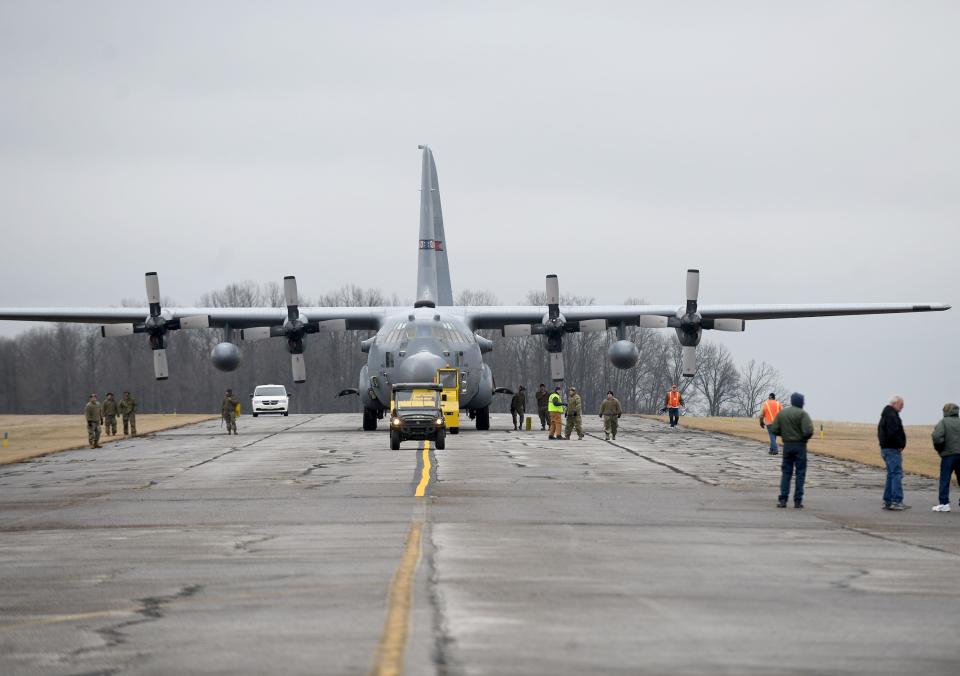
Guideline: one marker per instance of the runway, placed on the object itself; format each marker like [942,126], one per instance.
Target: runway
[300,546]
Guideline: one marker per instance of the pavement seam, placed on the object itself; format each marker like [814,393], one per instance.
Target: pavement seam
[708,482]
[256,441]
[897,541]
[444,643]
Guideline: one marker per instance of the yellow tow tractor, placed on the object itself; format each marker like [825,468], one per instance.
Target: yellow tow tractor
[449,381]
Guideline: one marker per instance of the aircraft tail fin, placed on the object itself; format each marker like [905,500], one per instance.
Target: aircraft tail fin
[433,272]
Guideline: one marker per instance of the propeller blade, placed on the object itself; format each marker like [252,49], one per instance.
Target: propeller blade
[255,333]
[726,325]
[556,366]
[195,322]
[299,367]
[593,325]
[652,322]
[290,296]
[517,330]
[689,361]
[114,330]
[153,293]
[553,290]
[160,364]
[693,285]
[332,325]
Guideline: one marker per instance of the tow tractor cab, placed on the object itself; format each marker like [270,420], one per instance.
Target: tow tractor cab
[270,399]
[449,381]
[415,414]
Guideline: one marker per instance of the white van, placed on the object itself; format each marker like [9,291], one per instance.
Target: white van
[270,399]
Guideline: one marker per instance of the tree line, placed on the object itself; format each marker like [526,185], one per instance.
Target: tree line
[54,369]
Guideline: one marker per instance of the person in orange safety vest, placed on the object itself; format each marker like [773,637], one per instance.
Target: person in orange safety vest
[673,404]
[768,413]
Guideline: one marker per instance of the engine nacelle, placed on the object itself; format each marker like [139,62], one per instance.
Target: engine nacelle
[624,354]
[225,356]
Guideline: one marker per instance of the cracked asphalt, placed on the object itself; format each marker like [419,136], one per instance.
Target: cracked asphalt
[191,551]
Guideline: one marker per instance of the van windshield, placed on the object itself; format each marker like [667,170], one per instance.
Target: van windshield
[270,391]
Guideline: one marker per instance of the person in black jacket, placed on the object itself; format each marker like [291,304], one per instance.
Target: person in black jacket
[892,440]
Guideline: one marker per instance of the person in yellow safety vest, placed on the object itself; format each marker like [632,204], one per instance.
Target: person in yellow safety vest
[673,403]
[555,408]
[771,408]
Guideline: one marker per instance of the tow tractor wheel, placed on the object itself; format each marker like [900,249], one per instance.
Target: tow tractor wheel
[454,430]
[394,440]
[441,441]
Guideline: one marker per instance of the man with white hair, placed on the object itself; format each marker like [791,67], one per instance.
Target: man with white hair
[892,440]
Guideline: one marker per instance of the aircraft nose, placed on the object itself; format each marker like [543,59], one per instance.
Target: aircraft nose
[418,368]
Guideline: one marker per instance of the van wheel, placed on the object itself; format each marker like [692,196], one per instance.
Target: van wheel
[254,414]
[394,440]
[285,413]
[369,420]
[441,441]
[483,418]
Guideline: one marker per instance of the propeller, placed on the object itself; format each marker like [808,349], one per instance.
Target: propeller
[294,329]
[553,326]
[690,324]
[156,325]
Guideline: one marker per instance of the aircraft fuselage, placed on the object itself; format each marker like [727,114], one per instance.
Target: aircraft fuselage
[412,345]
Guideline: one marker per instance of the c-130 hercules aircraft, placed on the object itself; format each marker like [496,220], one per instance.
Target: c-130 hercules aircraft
[412,343]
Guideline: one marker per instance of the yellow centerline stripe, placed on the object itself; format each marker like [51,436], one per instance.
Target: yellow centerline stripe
[393,642]
[425,474]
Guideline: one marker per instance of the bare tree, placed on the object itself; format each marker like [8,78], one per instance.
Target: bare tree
[756,382]
[716,378]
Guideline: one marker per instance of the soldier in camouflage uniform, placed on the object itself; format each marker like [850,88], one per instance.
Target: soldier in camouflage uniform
[228,409]
[610,412]
[127,407]
[109,410]
[94,417]
[574,413]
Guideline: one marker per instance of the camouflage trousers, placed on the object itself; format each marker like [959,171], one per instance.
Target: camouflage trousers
[574,420]
[231,421]
[110,423]
[515,415]
[130,424]
[610,426]
[93,433]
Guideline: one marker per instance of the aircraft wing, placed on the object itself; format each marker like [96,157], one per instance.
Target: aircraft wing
[497,317]
[235,317]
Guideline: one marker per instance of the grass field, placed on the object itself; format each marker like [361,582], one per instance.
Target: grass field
[31,435]
[847,441]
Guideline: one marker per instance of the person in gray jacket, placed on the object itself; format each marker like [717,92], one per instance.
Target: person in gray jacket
[796,427]
[946,439]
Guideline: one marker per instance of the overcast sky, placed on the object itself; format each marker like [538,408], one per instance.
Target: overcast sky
[794,152]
